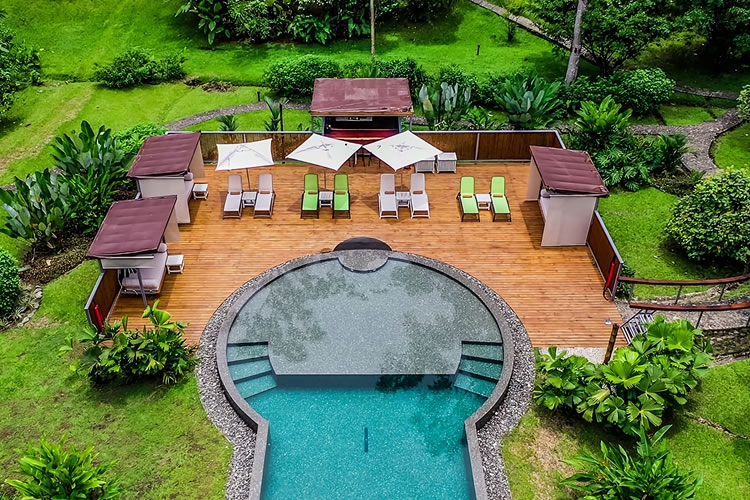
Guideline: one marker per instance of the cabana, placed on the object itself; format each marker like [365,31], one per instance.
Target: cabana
[132,241]
[361,110]
[167,165]
[567,187]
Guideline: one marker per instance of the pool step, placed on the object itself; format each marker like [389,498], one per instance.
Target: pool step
[484,369]
[476,385]
[240,352]
[479,351]
[254,386]
[249,369]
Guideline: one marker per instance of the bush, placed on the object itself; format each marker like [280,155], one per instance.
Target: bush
[251,20]
[600,126]
[530,102]
[650,474]
[623,165]
[743,103]
[426,10]
[445,105]
[136,67]
[632,391]
[713,222]
[403,68]
[454,75]
[667,152]
[119,354]
[19,67]
[130,141]
[10,283]
[211,17]
[53,471]
[641,90]
[295,77]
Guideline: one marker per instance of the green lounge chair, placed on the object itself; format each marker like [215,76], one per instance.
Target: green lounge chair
[310,197]
[499,205]
[341,196]
[467,201]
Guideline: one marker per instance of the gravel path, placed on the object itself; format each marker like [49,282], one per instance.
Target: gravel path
[232,110]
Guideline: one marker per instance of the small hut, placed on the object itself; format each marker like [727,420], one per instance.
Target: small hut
[167,165]
[567,187]
[361,110]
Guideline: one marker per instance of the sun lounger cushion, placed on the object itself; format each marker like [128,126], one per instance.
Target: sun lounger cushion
[341,193]
[152,277]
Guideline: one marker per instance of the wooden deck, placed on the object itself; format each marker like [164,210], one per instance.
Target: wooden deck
[556,292]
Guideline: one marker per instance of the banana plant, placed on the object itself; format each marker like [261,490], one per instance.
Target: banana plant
[276,108]
[444,106]
[531,103]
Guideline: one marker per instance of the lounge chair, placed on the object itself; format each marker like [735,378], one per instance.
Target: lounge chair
[499,205]
[467,202]
[419,204]
[266,196]
[341,197]
[233,202]
[387,205]
[310,197]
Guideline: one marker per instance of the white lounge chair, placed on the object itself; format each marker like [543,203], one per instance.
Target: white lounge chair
[387,196]
[233,203]
[418,203]
[266,195]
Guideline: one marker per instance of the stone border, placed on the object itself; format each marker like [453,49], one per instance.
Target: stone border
[500,413]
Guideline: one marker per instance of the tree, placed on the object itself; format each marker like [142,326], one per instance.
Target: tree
[724,23]
[19,66]
[613,31]
[575,47]
[743,103]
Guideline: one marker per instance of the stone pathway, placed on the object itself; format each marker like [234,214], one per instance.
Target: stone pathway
[189,121]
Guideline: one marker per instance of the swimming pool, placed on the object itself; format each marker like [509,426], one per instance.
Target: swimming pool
[365,378]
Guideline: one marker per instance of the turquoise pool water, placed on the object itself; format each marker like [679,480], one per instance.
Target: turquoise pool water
[415,438]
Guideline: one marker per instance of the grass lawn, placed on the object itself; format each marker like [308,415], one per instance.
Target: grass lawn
[679,115]
[534,451]
[165,445]
[733,148]
[636,223]
[254,120]
[77,34]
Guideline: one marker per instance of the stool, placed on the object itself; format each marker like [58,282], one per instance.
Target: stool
[484,201]
[200,191]
[175,263]
[325,199]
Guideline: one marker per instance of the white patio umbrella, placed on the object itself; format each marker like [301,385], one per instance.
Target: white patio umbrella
[401,150]
[324,152]
[244,155]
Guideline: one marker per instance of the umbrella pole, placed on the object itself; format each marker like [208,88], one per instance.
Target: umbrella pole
[325,181]
[402,178]
[247,172]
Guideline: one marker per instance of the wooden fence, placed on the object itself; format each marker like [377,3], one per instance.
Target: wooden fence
[605,255]
[102,297]
[497,145]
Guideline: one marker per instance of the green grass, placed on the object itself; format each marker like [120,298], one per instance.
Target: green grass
[534,451]
[165,445]
[636,223]
[648,119]
[677,115]
[732,150]
[254,120]
[77,34]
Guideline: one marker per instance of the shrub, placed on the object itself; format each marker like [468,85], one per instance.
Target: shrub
[250,19]
[36,210]
[530,102]
[481,119]
[308,28]
[10,283]
[743,103]
[599,126]
[632,391]
[136,67]
[713,222]
[623,165]
[119,354]
[453,75]
[667,152]
[276,109]
[130,141]
[295,77]
[403,68]
[678,184]
[444,106]
[54,471]
[211,17]
[19,67]
[649,474]
[426,10]
[228,123]
[641,90]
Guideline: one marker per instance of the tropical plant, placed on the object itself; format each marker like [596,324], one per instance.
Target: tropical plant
[623,165]
[530,102]
[251,19]
[36,210]
[713,222]
[444,106]
[452,74]
[129,141]
[295,77]
[307,28]
[10,283]
[19,67]
[276,109]
[743,103]
[54,471]
[637,386]
[481,119]
[667,151]
[228,123]
[650,474]
[136,67]
[211,17]
[599,126]
[117,353]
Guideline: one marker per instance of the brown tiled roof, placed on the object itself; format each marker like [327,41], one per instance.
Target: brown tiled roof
[568,171]
[165,155]
[132,227]
[361,96]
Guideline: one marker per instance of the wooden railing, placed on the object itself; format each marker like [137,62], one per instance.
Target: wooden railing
[681,284]
[495,145]
[102,297]
[605,255]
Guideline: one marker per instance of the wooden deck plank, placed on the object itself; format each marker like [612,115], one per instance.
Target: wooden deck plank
[556,292]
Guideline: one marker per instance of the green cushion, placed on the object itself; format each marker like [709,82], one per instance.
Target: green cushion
[340,182]
[498,185]
[311,182]
[467,185]
[309,202]
[469,205]
[341,201]
[500,205]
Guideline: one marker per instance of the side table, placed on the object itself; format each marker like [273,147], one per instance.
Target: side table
[175,263]
[200,191]
[483,201]
[325,199]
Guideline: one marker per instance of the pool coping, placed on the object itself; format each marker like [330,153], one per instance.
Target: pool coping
[498,414]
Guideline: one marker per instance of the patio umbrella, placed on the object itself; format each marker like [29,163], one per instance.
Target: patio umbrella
[244,155]
[324,152]
[401,150]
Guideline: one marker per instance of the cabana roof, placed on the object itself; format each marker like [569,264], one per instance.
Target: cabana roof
[165,155]
[361,96]
[568,171]
[132,227]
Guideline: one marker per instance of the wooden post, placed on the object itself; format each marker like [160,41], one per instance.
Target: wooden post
[611,343]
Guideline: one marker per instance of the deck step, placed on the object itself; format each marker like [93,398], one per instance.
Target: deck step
[482,351]
[488,369]
[249,369]
[251,387]
[239,353]
[478,386]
